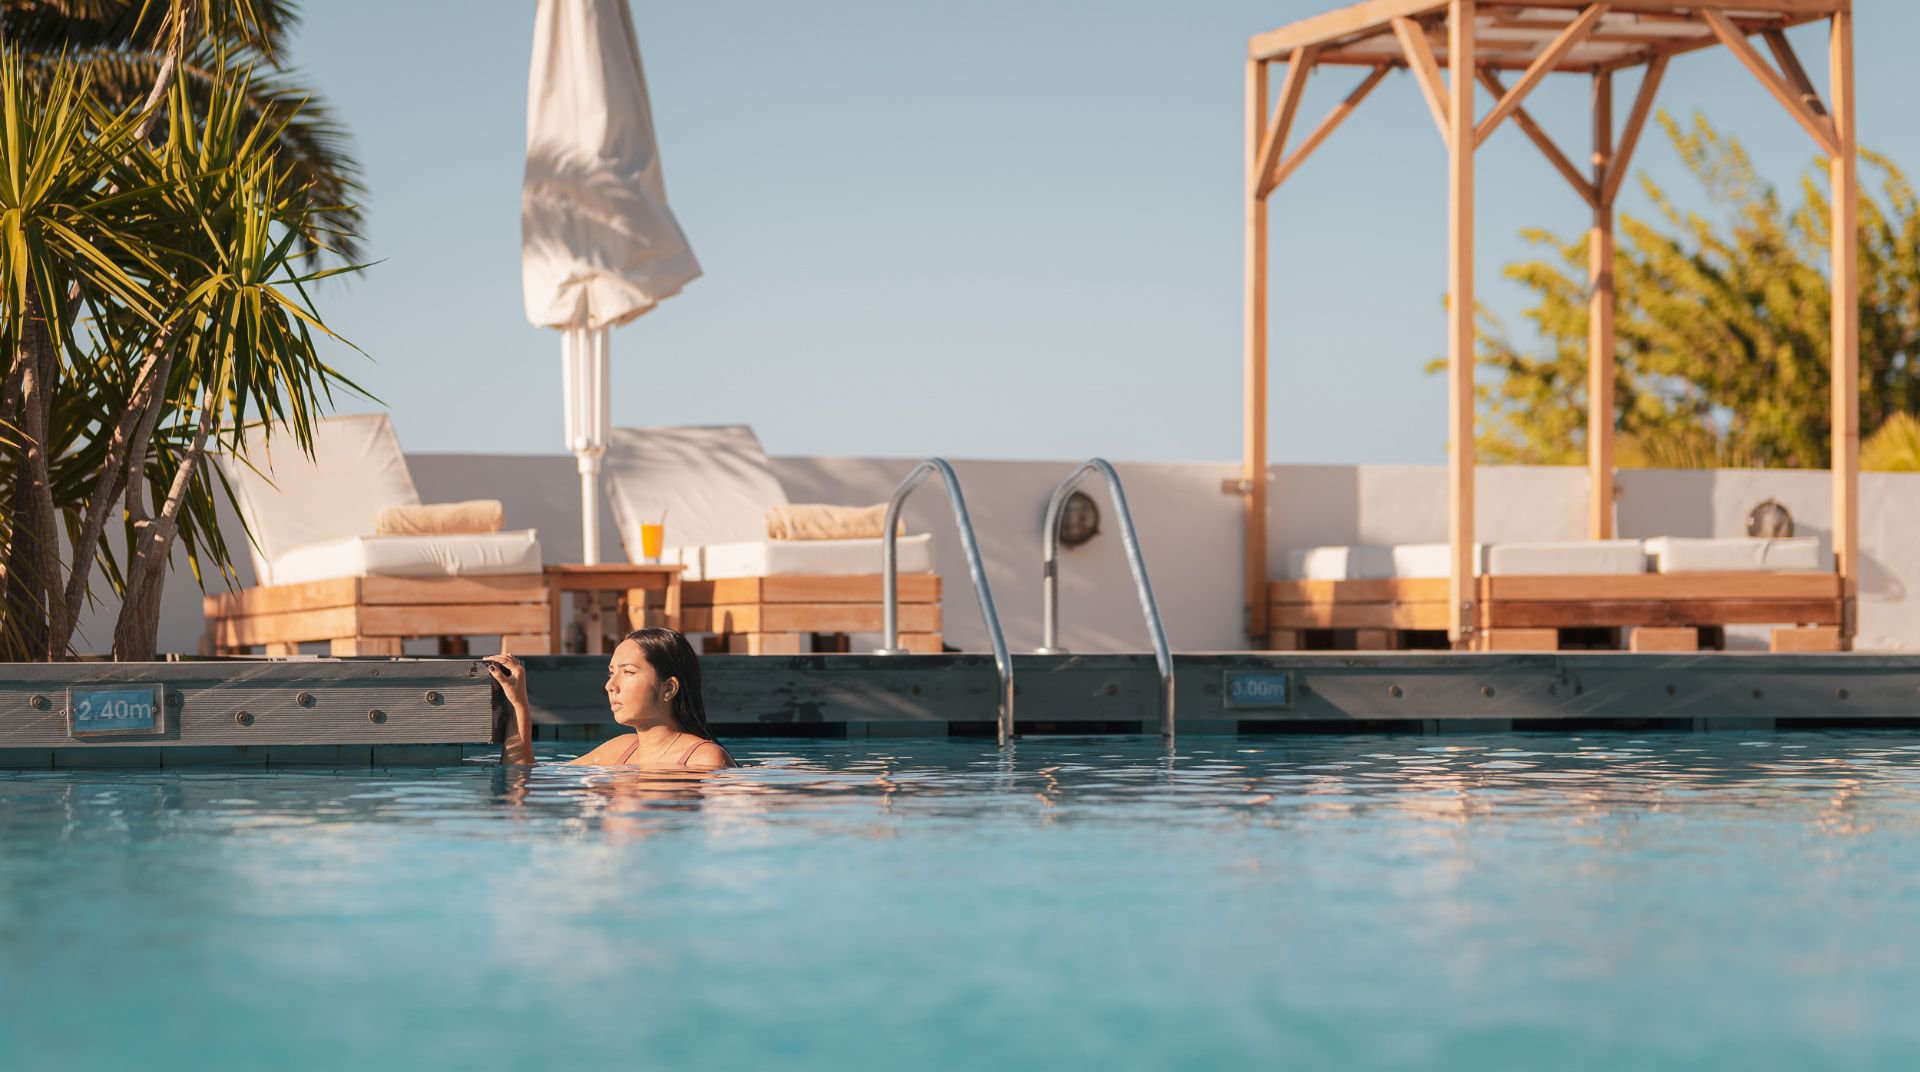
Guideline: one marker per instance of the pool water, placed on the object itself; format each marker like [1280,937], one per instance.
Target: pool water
[1602,901]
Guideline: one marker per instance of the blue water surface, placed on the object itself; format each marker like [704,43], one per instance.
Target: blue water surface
[1524,901]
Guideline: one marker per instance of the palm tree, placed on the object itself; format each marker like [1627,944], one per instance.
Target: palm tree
[154,255]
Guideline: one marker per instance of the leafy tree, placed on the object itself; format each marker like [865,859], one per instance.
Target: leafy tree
[153,265]
[1722,325]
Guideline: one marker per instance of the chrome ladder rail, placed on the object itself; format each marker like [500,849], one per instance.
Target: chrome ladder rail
[1050,579]
[891,592]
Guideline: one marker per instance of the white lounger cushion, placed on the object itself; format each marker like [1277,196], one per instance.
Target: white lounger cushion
[1582,558]
[1375,562]
[1365,562]
[767,558]
[468,554]
[1681,554]
[314,519]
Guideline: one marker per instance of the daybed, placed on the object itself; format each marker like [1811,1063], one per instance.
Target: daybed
[325,575]
[711,487]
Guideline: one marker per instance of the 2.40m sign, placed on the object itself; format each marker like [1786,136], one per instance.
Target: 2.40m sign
[115,712]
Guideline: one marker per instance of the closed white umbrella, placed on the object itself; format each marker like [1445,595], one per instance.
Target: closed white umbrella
[599,246]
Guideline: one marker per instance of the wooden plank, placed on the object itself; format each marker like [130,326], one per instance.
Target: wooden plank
[1426,73]
[767,643]
[1813,638]
[1796,75]
[1664,586]
[1541,140]
[1373,640]
[1501,614]
[1736,41]
[1600,328]
[1285,640]
[1253,370]
[526,644]
[1630,137]
[923,643]
[1576,31]
[456,619]
[1843,181]
[1299,66]
[1382,590]
[1460,324]
[281,598]
[805,588]
[291,627]
[341,647]
[506,588]
[1435,616]
[1325,130]
[1664,638]
[808,618]
[1520,640]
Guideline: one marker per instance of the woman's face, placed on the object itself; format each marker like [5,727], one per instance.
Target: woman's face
[634,691]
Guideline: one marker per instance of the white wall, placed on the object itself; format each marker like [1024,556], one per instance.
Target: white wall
[1191,532]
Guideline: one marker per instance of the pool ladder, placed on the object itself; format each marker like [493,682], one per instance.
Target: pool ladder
[1050,579]
[890,622]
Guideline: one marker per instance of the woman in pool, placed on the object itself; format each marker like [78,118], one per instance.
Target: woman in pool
[653,685]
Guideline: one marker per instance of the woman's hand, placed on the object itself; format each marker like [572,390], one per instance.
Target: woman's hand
[512,676]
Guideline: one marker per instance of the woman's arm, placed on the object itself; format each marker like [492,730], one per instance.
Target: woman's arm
[512,676]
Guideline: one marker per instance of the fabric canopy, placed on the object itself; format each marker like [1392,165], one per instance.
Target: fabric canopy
[599,246]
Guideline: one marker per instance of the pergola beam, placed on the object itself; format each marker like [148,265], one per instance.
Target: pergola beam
[1844,232]
[1796,75]
[1426,71]
[1326,128]
[1460,325]
[1540,138]
[1789,97]
[1298,68]
[1576,32]
[1630,137]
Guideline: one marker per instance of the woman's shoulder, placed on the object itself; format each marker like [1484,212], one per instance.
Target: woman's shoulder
[602,754]
[709,755]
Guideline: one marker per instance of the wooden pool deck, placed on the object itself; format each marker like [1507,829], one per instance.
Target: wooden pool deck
[384,712]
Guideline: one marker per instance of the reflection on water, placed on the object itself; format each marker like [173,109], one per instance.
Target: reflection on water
[1593,901]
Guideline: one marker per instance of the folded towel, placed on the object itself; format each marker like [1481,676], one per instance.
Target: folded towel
[819,521]
[434,519]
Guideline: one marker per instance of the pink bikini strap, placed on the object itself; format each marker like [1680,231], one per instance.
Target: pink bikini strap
[696,747]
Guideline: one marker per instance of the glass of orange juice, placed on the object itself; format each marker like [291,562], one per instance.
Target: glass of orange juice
[653,537]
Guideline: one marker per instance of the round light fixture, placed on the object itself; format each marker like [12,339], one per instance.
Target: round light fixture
[1079,520]
[1770,521]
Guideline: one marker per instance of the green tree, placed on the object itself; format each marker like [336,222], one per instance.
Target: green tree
[1722,324]
[153,266]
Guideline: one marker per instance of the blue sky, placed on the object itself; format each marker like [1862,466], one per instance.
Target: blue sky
[990,230]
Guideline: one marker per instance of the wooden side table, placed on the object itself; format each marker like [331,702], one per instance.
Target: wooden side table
[632,580]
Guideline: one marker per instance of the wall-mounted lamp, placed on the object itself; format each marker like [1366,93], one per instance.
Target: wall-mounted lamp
[1770,521]
[1079,520]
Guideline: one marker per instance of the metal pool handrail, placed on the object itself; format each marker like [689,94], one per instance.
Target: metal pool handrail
[891,591]
[1050,579]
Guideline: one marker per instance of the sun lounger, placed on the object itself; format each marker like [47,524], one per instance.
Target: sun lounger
[325,575]
[1526,594]
[712,488]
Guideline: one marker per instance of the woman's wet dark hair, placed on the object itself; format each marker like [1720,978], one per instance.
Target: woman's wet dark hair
[667,651]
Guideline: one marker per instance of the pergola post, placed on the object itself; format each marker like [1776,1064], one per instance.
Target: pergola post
[1844,183]
[1600,310]
[1460,313]
[1253,473]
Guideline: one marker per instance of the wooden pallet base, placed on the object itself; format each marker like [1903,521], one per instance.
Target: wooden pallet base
[797,615]
[1642,612]
[377,615]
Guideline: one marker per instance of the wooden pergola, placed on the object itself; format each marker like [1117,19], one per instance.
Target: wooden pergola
[1510,48]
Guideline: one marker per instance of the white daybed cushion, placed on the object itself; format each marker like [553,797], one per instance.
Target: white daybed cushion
[472,554]
[713,485]
[290,502]
[1682,554]
[1577,558]
[1363,562]
[766,558]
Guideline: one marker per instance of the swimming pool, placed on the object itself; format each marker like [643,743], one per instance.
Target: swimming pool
[1532,900]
